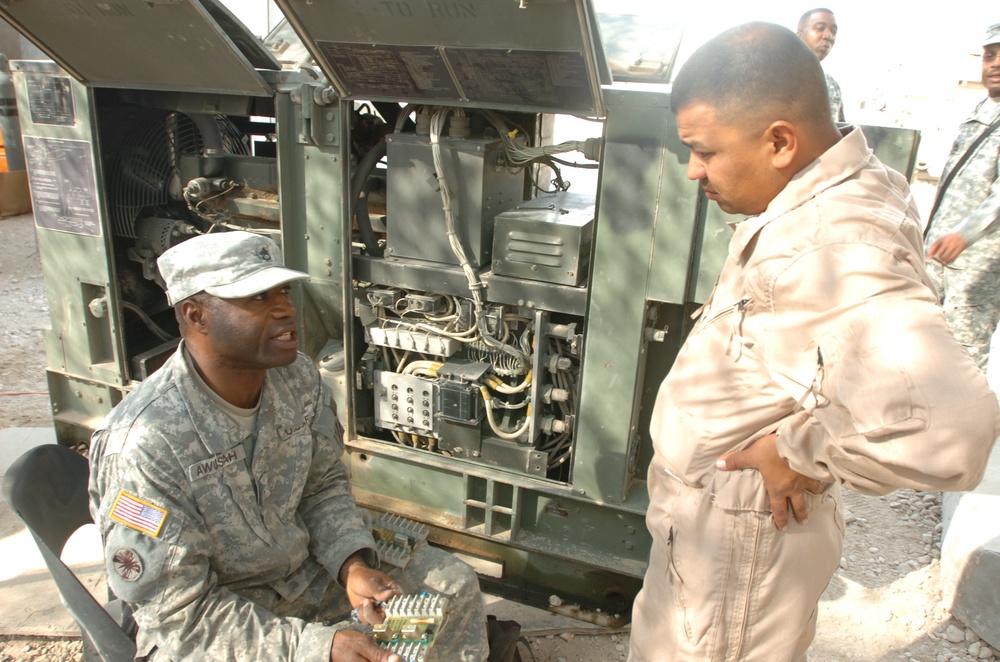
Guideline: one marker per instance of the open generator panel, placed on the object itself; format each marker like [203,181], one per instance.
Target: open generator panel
[493,336]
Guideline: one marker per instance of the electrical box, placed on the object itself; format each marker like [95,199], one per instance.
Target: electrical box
[482,187]
[548,239]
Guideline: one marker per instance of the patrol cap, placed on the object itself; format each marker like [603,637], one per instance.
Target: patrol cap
[992,35]
[229,265]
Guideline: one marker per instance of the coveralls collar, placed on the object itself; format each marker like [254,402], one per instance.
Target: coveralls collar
[836,164]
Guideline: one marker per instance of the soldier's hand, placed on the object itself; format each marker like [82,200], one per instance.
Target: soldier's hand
[947,249]
[367,589]
[784,485]
[351,646]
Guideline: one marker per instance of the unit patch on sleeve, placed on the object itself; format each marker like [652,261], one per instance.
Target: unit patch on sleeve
[127,564]
[137,514]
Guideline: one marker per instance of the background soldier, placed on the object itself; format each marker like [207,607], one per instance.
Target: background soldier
[963,225]
[818,28]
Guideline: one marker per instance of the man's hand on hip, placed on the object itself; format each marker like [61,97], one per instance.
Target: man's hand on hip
[784,485]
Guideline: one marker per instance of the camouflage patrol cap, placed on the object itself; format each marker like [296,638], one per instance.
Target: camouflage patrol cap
[992,35]
[229,265]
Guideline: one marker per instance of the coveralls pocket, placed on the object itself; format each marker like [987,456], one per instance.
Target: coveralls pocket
[704,540]
[727,560]
[858,362]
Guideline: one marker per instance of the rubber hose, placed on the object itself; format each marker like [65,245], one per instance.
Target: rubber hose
[361,174]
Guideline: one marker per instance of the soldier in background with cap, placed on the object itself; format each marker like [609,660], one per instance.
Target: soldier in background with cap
[963,231]
[226,513]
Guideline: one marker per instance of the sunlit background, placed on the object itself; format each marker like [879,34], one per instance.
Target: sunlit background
[897,64]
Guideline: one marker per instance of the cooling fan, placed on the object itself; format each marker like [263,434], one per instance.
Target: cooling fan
[144,166]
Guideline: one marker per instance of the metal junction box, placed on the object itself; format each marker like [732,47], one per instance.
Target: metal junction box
[546,239]
[482,187]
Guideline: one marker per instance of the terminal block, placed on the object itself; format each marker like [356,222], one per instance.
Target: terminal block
[411,625]
[396,537]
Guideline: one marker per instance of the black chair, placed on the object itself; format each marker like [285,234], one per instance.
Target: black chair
[47,488]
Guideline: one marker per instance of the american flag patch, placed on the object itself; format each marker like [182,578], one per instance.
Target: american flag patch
[138,514]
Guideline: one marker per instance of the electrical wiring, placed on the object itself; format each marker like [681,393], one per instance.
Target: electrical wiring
[148,321]
[523,155]
[495,427]
[472,277]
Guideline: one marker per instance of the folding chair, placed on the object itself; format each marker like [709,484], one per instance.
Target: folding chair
[47,488]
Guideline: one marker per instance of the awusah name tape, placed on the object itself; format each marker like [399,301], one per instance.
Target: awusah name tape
[137,514]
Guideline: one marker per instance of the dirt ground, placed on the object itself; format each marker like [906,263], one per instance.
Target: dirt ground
[882,605]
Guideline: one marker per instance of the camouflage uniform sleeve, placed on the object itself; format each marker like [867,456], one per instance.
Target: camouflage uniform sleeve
[336,526]
[984,220]
[181,611]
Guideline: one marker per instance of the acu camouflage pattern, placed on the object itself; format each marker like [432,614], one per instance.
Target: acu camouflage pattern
[230,265]
[836,98]
[463,636]
[970,286]
[236,544]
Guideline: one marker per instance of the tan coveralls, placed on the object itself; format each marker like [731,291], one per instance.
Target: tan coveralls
[823,328]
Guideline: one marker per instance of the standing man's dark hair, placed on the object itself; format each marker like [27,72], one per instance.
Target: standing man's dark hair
[742,81]
[818,29]
[820,359]
[754,86]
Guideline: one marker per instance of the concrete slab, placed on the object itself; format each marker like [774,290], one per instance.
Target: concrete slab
[970,549]
[30,604]
[970,554]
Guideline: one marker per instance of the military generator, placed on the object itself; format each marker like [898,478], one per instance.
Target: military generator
[493,335]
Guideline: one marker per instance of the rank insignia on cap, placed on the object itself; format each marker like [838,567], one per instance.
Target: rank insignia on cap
[127,564]
[137,514]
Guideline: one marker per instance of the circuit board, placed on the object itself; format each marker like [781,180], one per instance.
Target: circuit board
[411,625]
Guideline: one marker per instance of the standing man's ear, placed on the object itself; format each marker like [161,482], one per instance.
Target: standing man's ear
[784,142]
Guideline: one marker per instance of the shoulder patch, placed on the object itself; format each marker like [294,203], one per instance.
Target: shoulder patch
[216,463]
[127,564]
[137,514]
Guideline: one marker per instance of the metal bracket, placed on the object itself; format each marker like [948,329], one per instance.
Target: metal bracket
[319,117]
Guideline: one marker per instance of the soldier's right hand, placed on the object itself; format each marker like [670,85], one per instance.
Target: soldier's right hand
[351,646]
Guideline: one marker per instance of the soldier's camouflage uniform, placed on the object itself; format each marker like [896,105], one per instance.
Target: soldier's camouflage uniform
[241,560]
[970,286]
[836,98]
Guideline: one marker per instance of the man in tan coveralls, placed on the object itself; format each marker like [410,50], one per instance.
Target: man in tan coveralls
[819,360]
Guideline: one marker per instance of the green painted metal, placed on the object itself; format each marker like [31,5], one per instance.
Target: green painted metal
[642,243]
[314,180]
[85,357]
[470,53]
[543,535]
[894,146]
[142,44]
